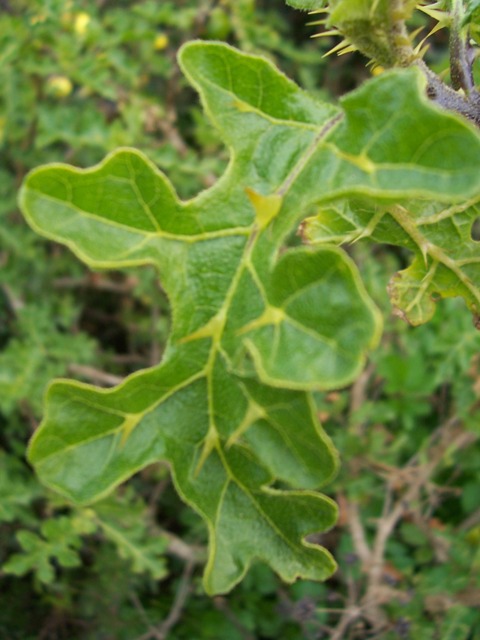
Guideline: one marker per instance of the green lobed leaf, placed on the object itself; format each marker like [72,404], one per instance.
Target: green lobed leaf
[254,329]
[18,490]
[59,541]
[123,522]
[446,259]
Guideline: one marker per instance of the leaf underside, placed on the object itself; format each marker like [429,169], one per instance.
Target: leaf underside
[255,328]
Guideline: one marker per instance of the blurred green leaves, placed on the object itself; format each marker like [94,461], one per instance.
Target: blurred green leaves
[120,521]
[60,540]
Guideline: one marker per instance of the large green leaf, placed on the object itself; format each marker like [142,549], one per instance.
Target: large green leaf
[255,328]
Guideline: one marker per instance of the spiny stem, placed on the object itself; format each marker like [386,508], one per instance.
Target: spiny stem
[460,68]
[399,37]
[448,98]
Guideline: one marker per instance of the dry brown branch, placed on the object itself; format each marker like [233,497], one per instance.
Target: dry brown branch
[100,283]
[179,602]
[408,484]
[161,631]
[358,391]
[155,351]
[449,436]
[472,520]
[350,616]
[15,303]
[94,375]
[152,632]
[222,605]
[359,537]
[189,553]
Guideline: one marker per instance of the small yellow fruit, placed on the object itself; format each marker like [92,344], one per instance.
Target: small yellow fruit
[377,70]
[38,19]
[473,536]
[59,86]
[161,42]
[82,20]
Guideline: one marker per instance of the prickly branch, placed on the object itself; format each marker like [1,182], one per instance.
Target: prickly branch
[379,30]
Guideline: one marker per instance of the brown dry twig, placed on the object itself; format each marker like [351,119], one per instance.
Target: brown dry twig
[97,376]
[161,631]
[403,495]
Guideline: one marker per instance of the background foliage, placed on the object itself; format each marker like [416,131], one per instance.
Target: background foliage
[79,79]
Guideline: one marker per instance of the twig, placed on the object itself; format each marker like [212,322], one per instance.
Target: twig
[461,64]
[222,605]
[179,602]
[152,632]
[16,304]
[359,389]
[392,515]
[470,522]
[159,489]
[155,352]
[94,375]
[161,632]
[193,554]
[351,614]
[92,281]
[28,413]
[447,97]
[415,477]
[399,38]
[359,537]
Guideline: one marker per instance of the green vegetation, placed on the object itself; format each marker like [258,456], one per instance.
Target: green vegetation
[277,336]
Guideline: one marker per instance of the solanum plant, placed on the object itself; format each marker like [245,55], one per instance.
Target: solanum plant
[258,327]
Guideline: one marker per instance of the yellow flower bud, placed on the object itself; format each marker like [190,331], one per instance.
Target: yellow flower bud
[161,42]
[59,86]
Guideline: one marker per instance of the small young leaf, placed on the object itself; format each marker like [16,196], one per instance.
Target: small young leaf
[59,541]
[447,259]
[123,522]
